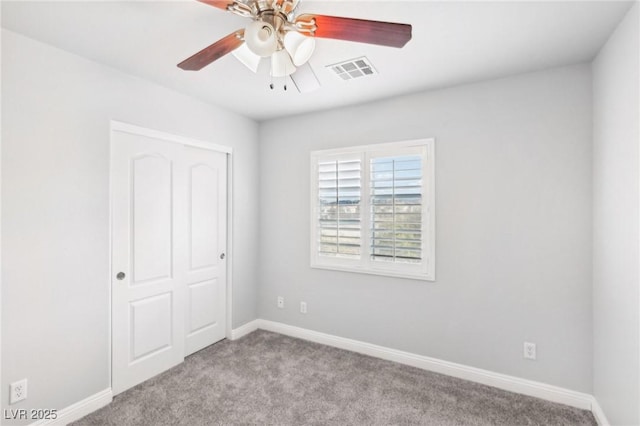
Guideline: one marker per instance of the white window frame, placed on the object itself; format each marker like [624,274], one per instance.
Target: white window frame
[423,271]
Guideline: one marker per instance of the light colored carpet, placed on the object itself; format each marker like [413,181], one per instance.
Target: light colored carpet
[267,379]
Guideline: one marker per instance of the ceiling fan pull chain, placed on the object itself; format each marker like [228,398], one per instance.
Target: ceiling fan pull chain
[284,77]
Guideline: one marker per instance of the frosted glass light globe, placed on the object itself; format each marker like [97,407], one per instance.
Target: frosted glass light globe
[281,65]
[261,38]
[299,47]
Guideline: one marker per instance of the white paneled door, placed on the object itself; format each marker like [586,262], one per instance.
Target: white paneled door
[206,266]
[169,222]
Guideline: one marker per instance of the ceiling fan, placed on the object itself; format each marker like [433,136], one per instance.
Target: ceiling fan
[276,31]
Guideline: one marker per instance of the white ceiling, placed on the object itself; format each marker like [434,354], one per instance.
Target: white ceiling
[453,43]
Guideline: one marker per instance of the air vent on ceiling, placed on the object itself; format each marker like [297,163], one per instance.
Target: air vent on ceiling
[353,68]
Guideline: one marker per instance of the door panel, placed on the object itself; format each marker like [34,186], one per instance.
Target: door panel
[152,217]
[206,316]
[201,312]
[151,325]
[148,303]
[204,183]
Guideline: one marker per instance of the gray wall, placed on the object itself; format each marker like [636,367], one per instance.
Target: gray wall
[616,298]
[55,210]
[513,215]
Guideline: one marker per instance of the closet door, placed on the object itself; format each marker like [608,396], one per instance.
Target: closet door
[206,263]
[168,268]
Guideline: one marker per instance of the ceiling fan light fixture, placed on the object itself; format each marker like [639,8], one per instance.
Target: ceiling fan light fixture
[278,32]
[299,47]
[261,38]
[281,64]
[247,57]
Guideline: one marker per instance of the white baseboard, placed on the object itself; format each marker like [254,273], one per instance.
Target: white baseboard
[597,412]
[502,381]
[245,329]
[79,409]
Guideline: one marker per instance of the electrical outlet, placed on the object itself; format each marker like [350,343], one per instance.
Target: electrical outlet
[529,350]
[280,302]
[18,391]
[303,307]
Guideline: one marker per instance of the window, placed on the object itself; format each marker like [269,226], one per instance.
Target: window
[372,209]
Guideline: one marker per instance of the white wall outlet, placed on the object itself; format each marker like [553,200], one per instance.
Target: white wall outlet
[280,302]
[303,307]
[529,350]
[18,391]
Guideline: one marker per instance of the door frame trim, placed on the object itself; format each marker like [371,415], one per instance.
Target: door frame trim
[157,134]
[119,126]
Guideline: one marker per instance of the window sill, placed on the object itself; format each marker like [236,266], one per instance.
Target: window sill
[380,272]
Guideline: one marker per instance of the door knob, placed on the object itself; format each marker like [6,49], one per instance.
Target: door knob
[222,256]
[120,276]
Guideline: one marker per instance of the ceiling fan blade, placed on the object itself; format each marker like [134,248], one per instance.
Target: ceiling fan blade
[213,52]
[360,30]
[305,79]
[220,4]
[247,57]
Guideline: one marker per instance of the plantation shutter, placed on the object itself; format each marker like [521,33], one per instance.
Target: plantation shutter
[372,209]
[339,208]
[396,209]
